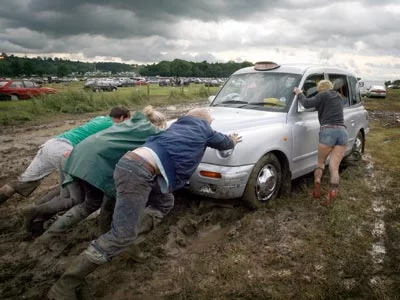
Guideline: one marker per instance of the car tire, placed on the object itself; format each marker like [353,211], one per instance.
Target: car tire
[357,150]
[114,89]
[14,97]
[264,183]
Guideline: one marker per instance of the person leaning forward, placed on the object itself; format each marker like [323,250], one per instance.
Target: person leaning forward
[91,165]
[168,159]
[51,154]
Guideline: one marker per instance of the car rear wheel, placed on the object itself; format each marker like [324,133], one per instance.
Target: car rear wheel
[358,148]
[264,182]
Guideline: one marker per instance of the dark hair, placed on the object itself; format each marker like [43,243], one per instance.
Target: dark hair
[119,111]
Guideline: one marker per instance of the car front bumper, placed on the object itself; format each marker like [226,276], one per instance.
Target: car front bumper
[231,185]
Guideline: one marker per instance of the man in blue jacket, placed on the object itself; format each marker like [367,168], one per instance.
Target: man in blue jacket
[167,160]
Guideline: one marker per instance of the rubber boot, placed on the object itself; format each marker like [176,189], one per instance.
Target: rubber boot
[55,205]
[3,198]
[317,190]
[330,198]
[72,279]
[6,191]
[69,219]
[54,239]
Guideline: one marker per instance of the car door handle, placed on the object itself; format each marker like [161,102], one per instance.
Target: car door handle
[352,123]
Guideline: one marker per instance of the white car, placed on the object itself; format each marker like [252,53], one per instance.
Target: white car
[377,91]
[280,137]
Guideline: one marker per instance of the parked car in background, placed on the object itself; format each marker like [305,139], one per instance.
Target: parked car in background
[22,89]
[280,136]
[213,82]
[376,91]
[101,85]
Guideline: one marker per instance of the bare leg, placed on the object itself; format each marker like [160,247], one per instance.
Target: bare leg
[334,162]
[323,152]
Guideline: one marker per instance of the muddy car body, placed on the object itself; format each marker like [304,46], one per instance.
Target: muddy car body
[280,137]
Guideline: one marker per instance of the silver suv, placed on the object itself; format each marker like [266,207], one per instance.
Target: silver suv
[280,137]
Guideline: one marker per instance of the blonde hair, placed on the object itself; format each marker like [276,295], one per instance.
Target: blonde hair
[155,117]
[201,113]
[324,85]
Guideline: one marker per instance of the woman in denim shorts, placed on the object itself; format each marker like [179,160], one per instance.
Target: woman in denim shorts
[333,136]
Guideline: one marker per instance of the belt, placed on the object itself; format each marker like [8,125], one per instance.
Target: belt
[333,126]
[133,156]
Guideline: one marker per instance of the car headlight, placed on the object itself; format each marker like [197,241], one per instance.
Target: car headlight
[225,153]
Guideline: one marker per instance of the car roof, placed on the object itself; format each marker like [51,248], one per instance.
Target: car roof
[297,68]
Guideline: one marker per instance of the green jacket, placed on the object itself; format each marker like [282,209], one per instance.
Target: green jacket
[94,159]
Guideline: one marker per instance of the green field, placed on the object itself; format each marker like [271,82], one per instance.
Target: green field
[73,99]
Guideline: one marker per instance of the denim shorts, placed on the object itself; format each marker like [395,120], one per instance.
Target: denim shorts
[333,136]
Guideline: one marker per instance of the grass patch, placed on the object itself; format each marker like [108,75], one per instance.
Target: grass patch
[73,99]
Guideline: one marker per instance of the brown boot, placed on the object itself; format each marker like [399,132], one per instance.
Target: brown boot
[68,284]
[330,198]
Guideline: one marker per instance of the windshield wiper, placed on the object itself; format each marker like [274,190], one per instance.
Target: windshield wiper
[281,104]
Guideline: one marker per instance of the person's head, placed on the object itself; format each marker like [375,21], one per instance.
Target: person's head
[155,117]
[119,114]
[324,85]
[201,113]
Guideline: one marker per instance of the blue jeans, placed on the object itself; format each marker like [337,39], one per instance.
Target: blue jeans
[333,136]
[136,186]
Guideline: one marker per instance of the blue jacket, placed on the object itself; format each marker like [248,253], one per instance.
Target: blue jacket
[181,147]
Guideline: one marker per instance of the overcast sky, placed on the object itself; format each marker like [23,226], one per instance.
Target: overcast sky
[362,36]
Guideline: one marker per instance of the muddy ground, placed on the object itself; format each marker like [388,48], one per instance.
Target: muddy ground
[291,249]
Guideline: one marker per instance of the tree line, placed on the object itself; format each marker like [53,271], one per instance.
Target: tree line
[14,66]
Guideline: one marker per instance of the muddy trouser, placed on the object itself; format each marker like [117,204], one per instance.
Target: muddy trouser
[134,184]
[93,199]
[157,207]
[49,158]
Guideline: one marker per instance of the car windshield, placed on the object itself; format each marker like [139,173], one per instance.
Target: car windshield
[263,91]
[3,83]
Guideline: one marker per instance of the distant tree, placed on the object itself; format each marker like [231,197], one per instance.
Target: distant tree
[28,68]
[62,71]
[15,68]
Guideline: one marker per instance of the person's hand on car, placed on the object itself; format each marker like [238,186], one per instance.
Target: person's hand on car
[236,138]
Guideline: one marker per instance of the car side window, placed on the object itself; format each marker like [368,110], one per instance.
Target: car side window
[17,84]
[355,95]
[340,84]
[310,89]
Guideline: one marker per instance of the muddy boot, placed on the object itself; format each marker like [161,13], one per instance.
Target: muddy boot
[6,192]
[317,190]
[68,284]
[330,198]
[55,205]
[69,219]
[54,239]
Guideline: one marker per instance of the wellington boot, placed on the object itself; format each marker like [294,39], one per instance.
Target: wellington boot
[317,190]
[69,219]
[29,213]
[3,198]
[330,198]
[69,283]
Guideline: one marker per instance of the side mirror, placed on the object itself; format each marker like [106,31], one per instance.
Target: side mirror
[361,84]
[211,98]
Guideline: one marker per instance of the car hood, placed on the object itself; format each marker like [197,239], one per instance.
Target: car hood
[228,120]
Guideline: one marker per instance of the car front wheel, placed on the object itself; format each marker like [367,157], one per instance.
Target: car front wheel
[264,182]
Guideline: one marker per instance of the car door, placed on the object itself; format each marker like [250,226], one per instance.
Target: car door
[31,88]
[306,128]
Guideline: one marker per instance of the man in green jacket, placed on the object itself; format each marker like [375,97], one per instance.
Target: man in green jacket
[50,154]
